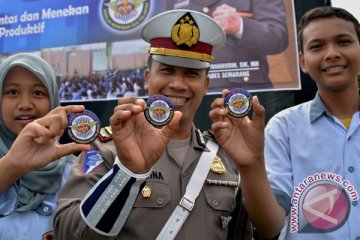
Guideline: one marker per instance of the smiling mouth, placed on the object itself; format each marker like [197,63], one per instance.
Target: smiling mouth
[25,118]
[334,69]
[178,100]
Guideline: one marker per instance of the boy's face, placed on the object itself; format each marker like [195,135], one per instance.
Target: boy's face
[24,98]
[185,87]
[331,53]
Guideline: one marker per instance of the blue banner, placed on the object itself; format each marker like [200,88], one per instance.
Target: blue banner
[32,25]
[96,50]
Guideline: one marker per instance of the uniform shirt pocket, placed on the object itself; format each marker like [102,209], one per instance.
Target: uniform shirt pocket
[221,198]
[160,196]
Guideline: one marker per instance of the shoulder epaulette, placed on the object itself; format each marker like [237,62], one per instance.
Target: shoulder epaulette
[105,134]
[209,134]
[200,138]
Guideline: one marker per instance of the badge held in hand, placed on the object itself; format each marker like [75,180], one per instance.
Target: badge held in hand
[159,110]
[84,127]
[239,102]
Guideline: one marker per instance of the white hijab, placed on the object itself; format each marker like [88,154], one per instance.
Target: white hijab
[34,186]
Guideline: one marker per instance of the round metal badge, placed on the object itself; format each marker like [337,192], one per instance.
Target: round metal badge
[239,102]
[84,127]
[159,111]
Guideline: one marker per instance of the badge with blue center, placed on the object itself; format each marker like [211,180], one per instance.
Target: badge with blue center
[159,110]
[84,127]
[239,102]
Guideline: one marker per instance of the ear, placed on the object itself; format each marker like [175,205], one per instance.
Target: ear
[146,76]
[207,83]
[302,62]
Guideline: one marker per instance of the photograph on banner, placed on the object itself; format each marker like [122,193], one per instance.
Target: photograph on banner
[261,47]
[97,54]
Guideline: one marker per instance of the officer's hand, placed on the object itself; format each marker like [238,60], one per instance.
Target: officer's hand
[139,144]
[241,138]
[37,144]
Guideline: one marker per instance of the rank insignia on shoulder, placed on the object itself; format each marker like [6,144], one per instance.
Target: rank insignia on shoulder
[105,134]
[200,138]
[92,161]
[217,166]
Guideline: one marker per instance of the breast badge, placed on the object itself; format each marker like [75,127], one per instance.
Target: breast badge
[217,166]
[146,192]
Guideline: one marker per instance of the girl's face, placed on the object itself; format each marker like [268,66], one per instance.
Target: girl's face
[24,98]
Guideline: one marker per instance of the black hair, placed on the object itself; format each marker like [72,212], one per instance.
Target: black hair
[325,12]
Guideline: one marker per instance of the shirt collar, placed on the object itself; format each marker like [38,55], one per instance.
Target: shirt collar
[318,108]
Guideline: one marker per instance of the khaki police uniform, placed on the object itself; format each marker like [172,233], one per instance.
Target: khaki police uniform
[209,219]
[104,200]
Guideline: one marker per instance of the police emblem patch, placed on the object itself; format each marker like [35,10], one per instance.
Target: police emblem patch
[124,15]
[239,102]
[84,127]
[159,111]
[93,160]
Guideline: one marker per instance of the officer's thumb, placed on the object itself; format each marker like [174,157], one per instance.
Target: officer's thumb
[173,125]
[258,113]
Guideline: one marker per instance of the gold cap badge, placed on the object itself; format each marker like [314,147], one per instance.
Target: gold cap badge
[185,31]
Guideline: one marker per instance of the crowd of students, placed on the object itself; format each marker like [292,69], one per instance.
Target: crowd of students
[112,85]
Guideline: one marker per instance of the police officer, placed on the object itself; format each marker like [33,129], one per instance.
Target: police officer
[135,179]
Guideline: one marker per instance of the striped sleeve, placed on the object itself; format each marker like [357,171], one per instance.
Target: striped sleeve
[107,205]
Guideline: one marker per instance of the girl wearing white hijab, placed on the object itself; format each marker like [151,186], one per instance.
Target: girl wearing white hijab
[33,165]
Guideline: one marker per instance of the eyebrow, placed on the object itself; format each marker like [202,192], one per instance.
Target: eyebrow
[7,84]
[336,36]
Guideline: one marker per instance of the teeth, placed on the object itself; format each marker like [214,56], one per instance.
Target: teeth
[25,118]
[334,69]
[177,101]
